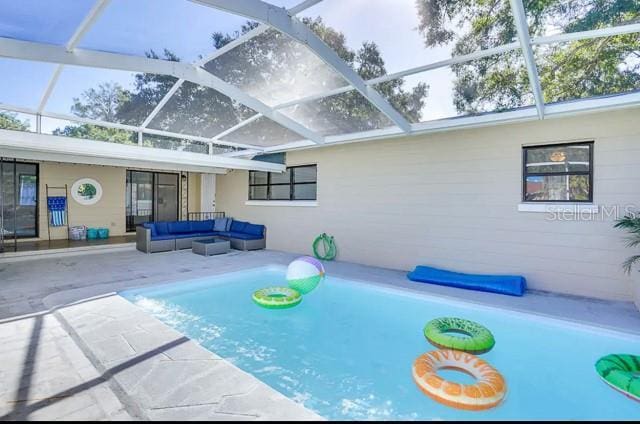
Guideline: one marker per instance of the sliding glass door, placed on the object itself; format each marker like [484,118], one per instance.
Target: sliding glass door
[166,196]
[18,199]
[139,202]
[151,196]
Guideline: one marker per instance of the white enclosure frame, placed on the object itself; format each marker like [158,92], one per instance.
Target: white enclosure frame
[286,22]
[24,145]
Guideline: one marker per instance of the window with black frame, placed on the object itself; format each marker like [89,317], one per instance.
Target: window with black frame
[296,183]
[558,173]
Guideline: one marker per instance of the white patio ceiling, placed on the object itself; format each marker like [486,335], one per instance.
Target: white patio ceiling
[270,109]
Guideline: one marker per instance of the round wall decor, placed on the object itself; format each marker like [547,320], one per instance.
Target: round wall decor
[86,191]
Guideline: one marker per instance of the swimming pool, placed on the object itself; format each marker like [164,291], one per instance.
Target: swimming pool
[347,350]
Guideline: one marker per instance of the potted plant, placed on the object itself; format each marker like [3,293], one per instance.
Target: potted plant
[631,224]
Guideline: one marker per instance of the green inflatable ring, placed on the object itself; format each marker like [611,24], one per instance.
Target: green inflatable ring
[479,340]
[277,297]
[329,247]
[622,372]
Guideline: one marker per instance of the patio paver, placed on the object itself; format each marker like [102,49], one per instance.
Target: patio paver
[45,376]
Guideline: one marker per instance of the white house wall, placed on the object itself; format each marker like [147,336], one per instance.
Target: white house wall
[451,200]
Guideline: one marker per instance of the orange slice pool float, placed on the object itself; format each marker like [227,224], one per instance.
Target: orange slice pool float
[488,391]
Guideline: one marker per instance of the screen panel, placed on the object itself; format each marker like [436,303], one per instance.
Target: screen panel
[108,95]
[65,128]
[172,143]
[51,22]
[275,69]
[385,36]
[340,114]
[23,82]
[496,83]
[589,68]
[566,16]
[168,28]
[16,121]
[199,111]
[263,132]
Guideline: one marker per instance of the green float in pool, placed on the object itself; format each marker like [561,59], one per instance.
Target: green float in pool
[479,340]
[622,372]
[277,297]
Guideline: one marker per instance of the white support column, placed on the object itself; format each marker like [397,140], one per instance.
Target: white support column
[281,20]
[207,192]
[520,20]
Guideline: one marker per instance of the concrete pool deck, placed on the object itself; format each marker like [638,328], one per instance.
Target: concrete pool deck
[85,353]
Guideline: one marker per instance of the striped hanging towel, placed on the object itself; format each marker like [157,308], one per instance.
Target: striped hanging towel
[57,207]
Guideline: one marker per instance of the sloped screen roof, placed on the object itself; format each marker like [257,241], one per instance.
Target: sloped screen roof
[226,77]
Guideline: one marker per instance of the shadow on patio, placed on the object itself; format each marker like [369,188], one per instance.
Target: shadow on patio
[24,403]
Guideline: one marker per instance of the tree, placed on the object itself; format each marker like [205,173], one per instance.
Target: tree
[368,62]
[110,102]
[87,190]
[102,103]
[10,121]
[592,68]
[567,71]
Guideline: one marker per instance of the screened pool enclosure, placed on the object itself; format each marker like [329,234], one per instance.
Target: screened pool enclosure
[244,77]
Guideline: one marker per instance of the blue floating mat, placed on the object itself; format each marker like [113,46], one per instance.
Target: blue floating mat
[513,285]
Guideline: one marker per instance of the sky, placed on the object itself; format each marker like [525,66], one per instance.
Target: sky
[135,26]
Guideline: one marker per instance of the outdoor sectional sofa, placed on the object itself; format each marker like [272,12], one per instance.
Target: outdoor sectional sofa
[164,236]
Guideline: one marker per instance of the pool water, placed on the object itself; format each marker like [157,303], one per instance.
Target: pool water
[347,350]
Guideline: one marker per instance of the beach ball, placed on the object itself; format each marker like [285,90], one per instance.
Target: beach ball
[304,274]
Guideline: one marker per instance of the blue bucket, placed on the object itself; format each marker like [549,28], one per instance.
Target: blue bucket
[92,233]
[103,233]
